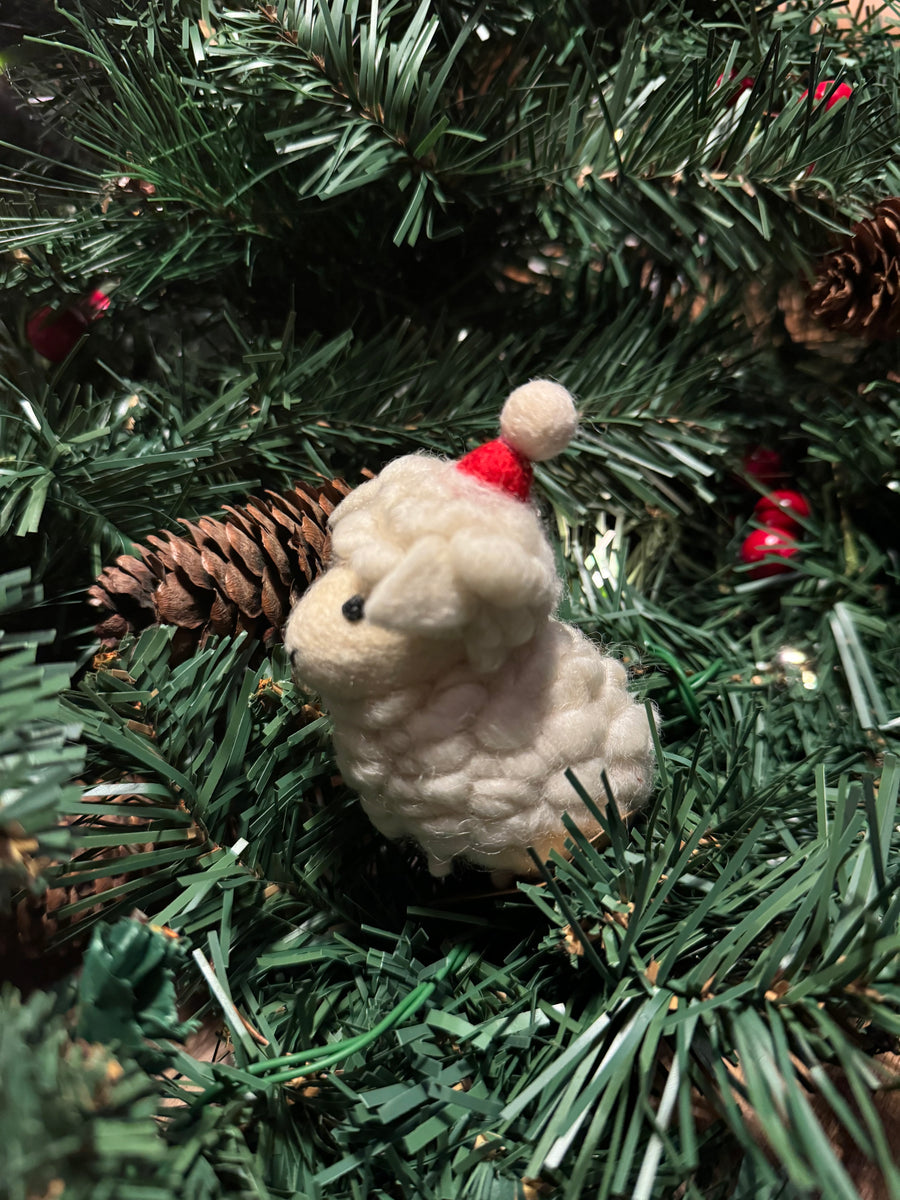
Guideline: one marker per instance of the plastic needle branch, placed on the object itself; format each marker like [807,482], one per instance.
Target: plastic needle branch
[319,1058]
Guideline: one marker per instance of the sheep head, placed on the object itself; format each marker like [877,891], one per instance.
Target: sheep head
[434,562]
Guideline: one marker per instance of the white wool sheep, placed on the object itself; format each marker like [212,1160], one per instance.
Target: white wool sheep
[458,701]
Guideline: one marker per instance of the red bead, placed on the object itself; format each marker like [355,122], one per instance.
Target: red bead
[744,85]
[55,334]
[843,92]
[766,551]
[763,465]
[780,510]
[94,305]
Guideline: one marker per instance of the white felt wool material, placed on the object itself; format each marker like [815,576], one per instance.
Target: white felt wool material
[539,420]
[421,593]
[458,700]
[501,571]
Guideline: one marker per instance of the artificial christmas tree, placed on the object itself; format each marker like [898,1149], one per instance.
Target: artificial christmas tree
[332,235]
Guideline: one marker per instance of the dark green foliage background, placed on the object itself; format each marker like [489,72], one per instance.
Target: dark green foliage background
[366,224]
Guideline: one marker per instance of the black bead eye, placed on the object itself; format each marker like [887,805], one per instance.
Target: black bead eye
[353,608]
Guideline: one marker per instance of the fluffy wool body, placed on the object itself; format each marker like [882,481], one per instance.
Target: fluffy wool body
[458,701]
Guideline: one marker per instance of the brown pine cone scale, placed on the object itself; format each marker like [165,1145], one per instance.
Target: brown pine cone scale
[242,571]
[857,287]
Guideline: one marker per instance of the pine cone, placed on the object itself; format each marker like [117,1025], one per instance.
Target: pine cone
[32,951]
[243,572]
[858,286]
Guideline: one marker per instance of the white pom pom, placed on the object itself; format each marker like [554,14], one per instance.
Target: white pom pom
[539,419]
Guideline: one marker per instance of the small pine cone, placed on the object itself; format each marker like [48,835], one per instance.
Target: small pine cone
[37,945]
[857,289]
[242,572]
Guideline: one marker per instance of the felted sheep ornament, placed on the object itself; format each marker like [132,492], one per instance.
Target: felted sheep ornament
[458,700]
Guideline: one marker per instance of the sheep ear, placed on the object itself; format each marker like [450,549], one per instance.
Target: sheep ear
[501,571]
[421,594]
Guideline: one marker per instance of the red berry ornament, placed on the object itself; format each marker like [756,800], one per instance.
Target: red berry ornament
[763,465]
[55,334]
[781,510]
[744,85]
[767,551]
[843,92]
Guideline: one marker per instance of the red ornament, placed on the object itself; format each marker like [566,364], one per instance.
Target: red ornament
[744,85]
[764,465]
[55,334]
[843,92]
[780,510]
[766,551]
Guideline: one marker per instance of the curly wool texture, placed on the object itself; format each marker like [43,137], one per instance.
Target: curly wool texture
[472,767]
[458,701]
[442,555]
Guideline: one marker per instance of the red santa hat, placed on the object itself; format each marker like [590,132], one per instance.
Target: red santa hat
[537,422]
